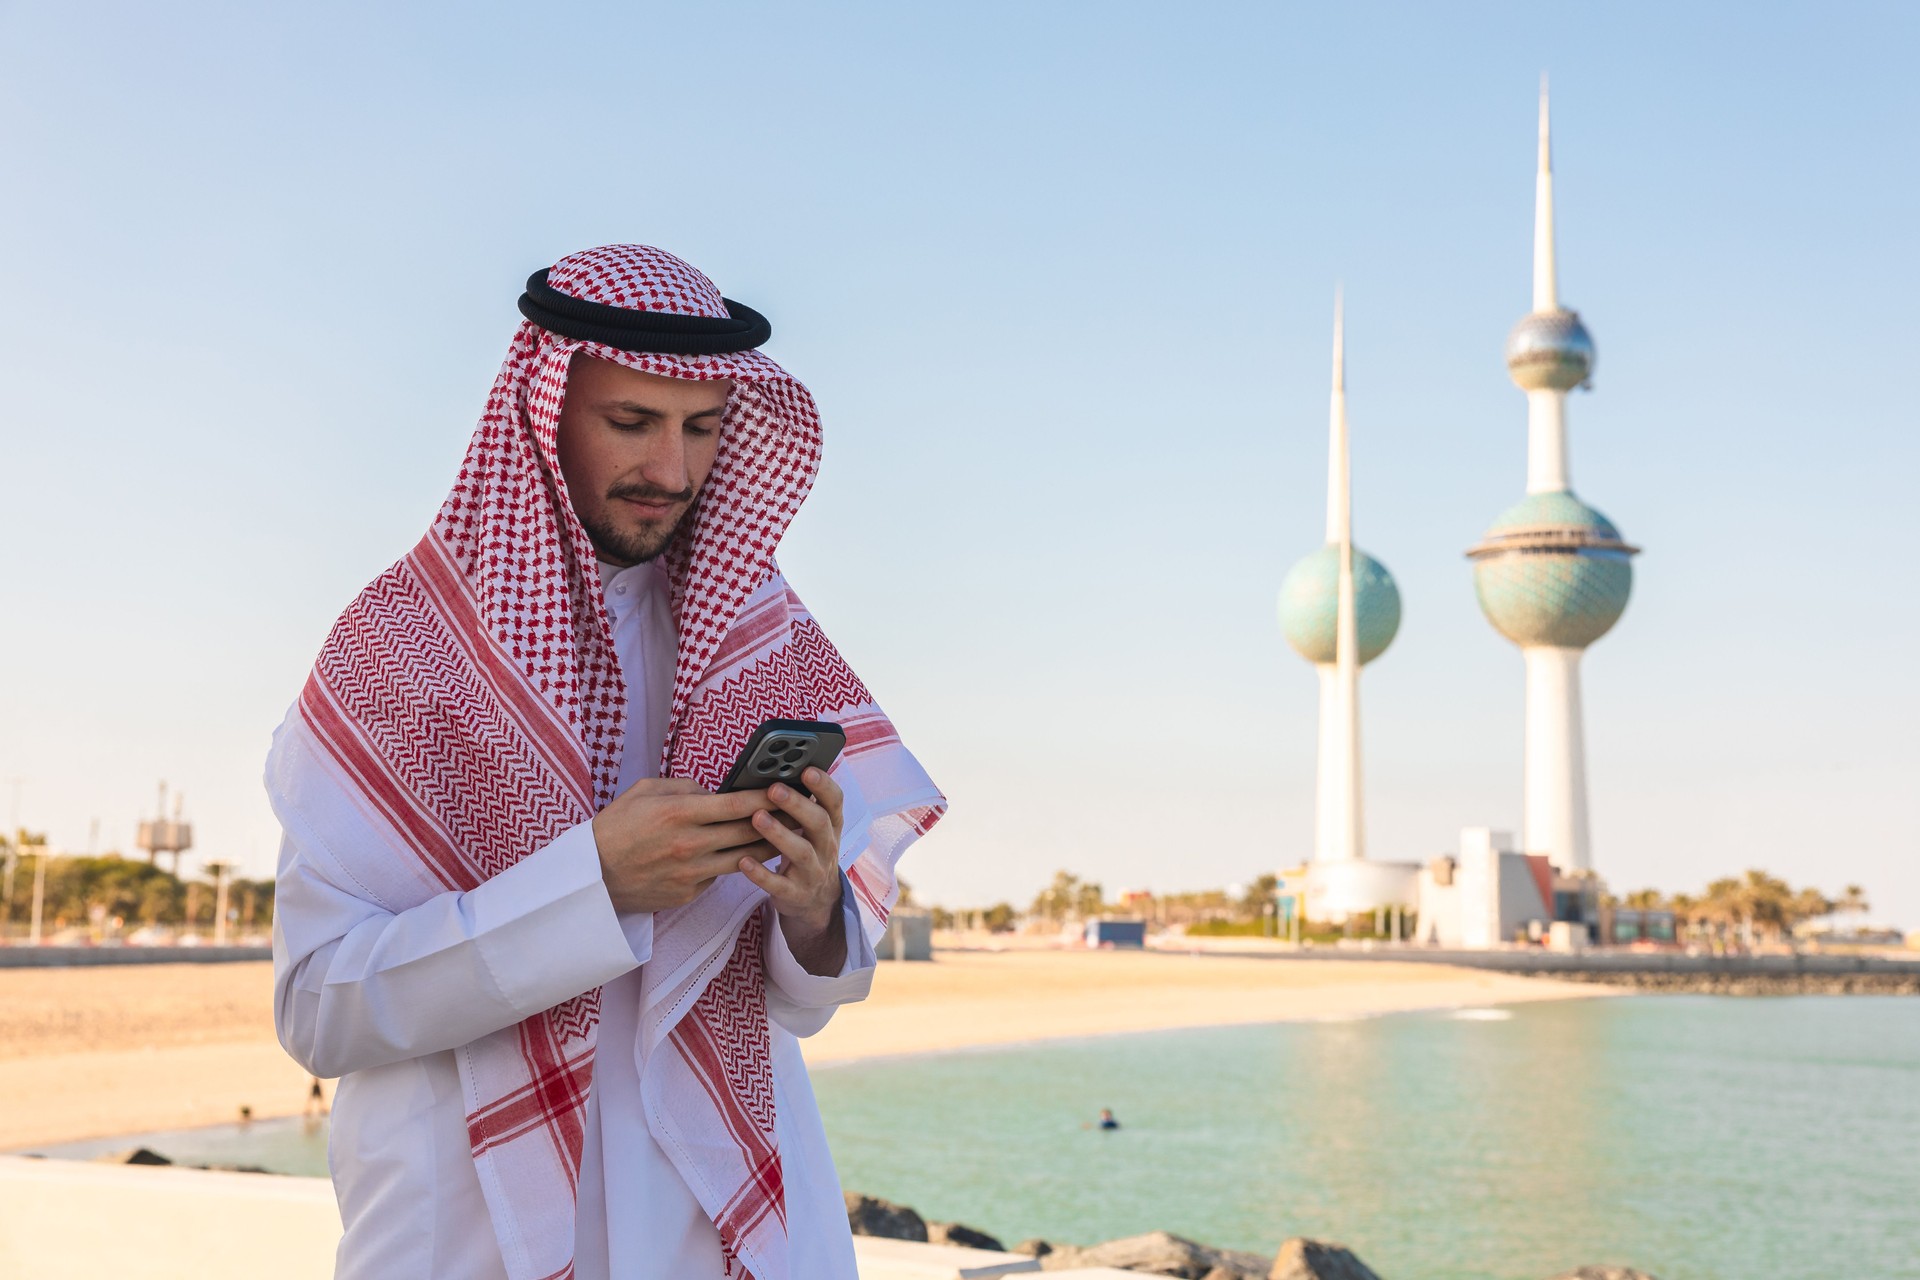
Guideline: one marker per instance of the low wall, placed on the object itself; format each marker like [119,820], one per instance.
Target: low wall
[1809,972]
[136,1222]
[144,1222]
[24,957]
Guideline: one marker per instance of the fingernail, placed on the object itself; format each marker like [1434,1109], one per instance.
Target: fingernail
[777,791]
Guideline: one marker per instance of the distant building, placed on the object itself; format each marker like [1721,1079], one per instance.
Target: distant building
[1490,894]
[908,935]
[1108,931]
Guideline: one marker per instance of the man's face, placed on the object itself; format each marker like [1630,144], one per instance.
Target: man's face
[635,449]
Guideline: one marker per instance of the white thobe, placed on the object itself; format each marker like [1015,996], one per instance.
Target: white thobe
[382,999]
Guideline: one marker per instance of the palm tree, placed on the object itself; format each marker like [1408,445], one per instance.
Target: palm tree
[1853,899]
[1808,904]
[1686,911]
[1768,901]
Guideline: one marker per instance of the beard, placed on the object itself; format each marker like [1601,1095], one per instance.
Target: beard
[632,545]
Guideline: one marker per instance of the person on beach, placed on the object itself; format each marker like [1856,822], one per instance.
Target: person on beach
[559,976]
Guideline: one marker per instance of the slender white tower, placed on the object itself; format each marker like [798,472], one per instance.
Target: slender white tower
[1553,574]
[1339,609]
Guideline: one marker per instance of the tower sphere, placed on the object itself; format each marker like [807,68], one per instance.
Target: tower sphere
[1310,605]
[1550,350]
[1552,571]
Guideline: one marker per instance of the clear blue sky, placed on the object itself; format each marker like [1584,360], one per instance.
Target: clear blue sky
[1061,277]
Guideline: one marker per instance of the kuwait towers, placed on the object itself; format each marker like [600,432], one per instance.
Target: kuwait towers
[1552,573]
[1339,609]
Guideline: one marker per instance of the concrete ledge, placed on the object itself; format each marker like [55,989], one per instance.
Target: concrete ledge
[22,957]
[1583,962]
[142,1222]
[71,1218]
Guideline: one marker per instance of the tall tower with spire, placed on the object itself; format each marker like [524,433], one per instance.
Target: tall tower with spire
[1339,609]
[1552,573]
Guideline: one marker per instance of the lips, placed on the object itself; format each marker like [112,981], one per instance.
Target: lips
[649,510]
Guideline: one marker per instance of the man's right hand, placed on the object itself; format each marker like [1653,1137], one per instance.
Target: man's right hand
[663,840]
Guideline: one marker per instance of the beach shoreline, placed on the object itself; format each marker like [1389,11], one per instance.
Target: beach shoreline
[102,1051]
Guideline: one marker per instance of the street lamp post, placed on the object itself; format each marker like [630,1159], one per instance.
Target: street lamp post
[39,893]
[220,870]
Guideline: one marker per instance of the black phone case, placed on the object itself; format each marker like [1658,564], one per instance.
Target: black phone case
[780,750]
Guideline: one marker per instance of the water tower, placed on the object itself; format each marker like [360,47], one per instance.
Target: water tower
[1339,609]
[1552,573]
[161,834]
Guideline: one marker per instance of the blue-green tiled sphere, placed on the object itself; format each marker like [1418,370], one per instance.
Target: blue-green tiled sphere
[1310,604]
[1550,349]
[1552,571]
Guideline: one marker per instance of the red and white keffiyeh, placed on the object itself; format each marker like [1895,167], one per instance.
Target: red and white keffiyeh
[467,709]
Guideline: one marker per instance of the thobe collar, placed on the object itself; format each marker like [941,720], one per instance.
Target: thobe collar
[631,583]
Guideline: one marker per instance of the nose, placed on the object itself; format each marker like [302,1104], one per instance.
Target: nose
[665,465]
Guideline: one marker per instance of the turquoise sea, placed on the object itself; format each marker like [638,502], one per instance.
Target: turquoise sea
[1699,1138]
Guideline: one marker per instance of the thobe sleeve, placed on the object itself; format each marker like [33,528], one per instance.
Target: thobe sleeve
[803,1002]
[358,986]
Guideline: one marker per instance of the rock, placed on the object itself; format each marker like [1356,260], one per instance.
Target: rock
[1034,1248]
[133,1155]
[1301,1259]
[1158,1253]
[1604,1272]
[956,1233]
[872,1216]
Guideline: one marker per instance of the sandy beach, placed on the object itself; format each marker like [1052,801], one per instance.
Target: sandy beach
[90,1052]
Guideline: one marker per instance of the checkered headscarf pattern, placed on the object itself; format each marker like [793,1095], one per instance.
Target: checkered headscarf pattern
[473,698]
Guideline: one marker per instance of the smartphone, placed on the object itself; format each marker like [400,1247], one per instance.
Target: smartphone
[781,750]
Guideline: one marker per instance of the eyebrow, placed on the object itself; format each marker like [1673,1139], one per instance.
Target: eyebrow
[641,410]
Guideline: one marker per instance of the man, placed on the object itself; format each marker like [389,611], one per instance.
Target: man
[560,978]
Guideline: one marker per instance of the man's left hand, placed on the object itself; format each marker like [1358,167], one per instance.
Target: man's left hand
[805,891]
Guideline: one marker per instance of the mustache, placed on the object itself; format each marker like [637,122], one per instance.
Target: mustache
[650,493]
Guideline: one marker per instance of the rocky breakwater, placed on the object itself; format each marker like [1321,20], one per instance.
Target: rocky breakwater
[1770,974]
[1157,1253]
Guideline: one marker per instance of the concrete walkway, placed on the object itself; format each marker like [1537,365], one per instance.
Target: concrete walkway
[196,1224]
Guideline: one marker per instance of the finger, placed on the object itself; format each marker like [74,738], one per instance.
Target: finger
[827,792]
[723,835]
[709,865]
[731,806]
[777,886]
[813,819]
[794,844]
[665,787]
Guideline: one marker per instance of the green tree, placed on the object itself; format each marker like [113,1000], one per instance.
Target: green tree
[1058,899]
[1262,893]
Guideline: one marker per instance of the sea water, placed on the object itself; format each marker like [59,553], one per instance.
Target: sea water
[1699,1138]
